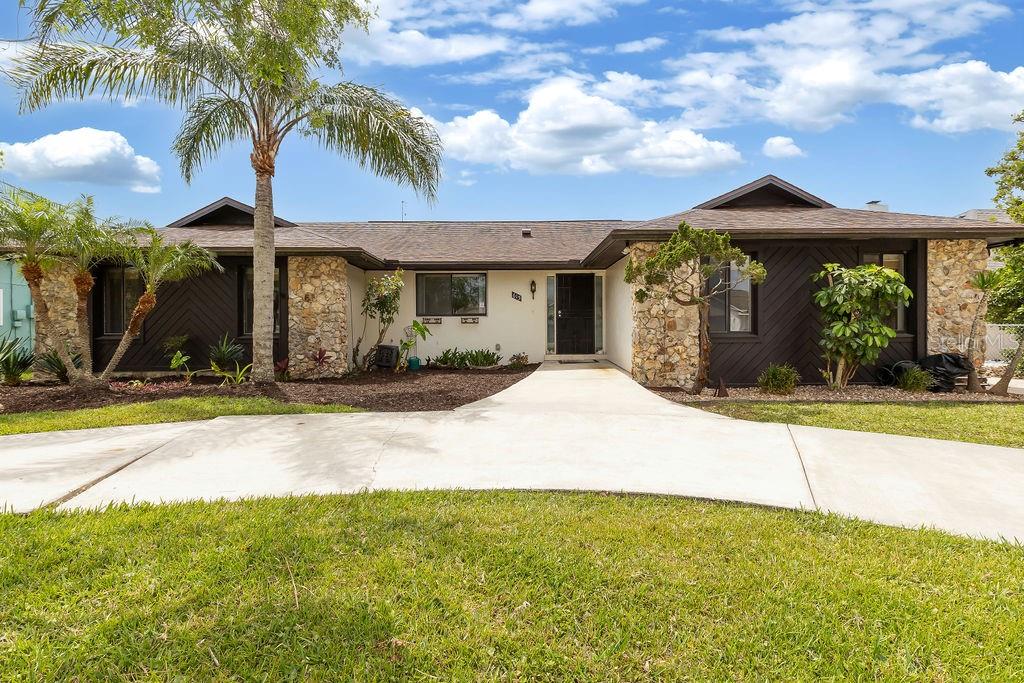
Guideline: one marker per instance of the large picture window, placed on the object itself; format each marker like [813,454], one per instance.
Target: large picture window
[732,310]
[897,262]
[122,288]
[451,294]
[246,313]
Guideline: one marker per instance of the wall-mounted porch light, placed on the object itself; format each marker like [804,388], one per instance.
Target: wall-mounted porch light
[533,289]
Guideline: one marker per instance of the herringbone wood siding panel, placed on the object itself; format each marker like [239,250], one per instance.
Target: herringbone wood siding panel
[787,322]
[204,308]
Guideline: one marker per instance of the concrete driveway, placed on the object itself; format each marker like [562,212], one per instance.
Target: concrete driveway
[578,427]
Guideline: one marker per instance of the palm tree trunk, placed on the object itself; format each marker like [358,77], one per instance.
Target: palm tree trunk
[83,286]
[1002,387]
[33,275]
[144,306]
[263,267]
[973,381]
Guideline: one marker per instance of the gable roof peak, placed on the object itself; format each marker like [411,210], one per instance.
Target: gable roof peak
[769,190]
[216,211]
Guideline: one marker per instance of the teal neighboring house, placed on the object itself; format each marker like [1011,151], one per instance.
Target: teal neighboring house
[15,303]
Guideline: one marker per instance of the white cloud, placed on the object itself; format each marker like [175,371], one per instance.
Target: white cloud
[524,66]
[383,44]
[957,98]
[781,147]
[625,87]
[814,69]
[541,14]
[644,45]
[466,179]
[87,155]
[567,129]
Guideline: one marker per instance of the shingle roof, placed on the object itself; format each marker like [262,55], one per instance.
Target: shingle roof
[768,208]
[423,242]
[792,221]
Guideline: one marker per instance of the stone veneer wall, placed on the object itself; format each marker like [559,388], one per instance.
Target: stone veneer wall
[62,301]
[952,301]
[317,314]
[666,342]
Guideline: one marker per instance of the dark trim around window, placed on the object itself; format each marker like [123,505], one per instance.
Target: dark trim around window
[280,310]
[421,311]
[740,335]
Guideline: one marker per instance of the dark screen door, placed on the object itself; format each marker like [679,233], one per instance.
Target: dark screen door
[575,313]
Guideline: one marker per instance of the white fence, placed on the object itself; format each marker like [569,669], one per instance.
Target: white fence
[999,338]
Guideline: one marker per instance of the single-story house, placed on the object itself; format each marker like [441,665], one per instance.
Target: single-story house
[555,289]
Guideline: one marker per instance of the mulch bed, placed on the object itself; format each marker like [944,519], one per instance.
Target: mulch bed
[427,389]
[822,394]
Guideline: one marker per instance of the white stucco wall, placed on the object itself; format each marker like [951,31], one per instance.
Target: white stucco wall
[618,331]
[356,291]
[517,326]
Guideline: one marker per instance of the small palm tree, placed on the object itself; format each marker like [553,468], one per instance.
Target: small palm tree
[243,70]
[32,229]
[986,282]
[157,262]
[85,242]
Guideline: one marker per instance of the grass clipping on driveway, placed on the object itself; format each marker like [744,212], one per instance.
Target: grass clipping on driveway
[153,412]
[499,586]
[997,424]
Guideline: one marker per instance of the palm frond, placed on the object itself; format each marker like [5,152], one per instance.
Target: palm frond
[210,122]
[61,72]
[376,131]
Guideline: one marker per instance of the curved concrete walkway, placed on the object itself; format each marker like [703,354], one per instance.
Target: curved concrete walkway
[579,427]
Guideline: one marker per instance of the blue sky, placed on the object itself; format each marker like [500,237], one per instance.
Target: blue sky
[554,109]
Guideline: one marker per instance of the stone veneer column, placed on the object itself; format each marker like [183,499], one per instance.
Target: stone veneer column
[62,301]
[952,301]
[317,314]
[666,336]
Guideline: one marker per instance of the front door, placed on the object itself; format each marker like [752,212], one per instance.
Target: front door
[575,313]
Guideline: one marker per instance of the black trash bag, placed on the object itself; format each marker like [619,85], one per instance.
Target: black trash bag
[945,369]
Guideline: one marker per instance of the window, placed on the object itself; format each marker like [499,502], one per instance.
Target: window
[451,294]
[897,262]
[122,288]
[732,310]
[246,315]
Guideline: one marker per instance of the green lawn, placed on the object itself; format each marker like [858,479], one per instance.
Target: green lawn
[499,586]
[999,424]
[167,410]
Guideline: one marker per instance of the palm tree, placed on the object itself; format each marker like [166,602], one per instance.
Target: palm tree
[986,282]
[243,70]
[32,228]
[157,262]
[84,243]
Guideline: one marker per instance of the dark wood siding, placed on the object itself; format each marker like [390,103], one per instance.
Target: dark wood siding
[788,323]
[204,308]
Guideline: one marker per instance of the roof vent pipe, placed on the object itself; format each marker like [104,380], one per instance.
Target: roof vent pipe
[876,205]
[527,232]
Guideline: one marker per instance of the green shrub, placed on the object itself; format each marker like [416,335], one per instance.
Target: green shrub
[226,352]
[915,379]
[175,344]
[450,358]
[482,358]
[778,379]
[518,361]
[50,363]
[15,360]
